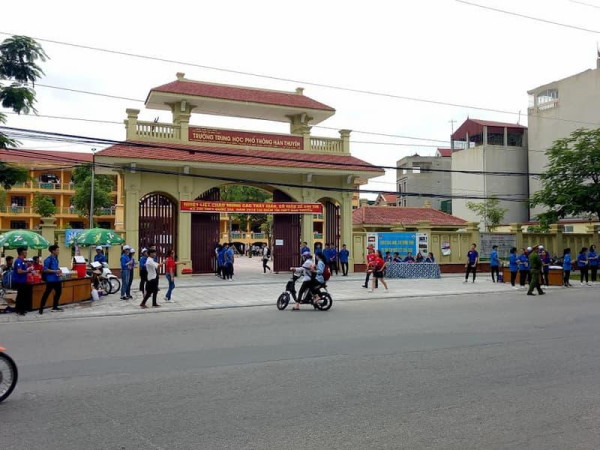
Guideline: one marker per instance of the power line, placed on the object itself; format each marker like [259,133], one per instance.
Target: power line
[523,16]
[586,4]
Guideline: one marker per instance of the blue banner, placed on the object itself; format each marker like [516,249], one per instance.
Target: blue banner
[71,233]
[397,242]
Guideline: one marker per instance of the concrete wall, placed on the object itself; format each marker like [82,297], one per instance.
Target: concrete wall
[424,182]
[578,101]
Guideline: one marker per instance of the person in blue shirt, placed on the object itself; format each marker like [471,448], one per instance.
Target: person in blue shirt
[52,274]
[582,265]
[545,257]
[397,258]
[99,257]
[143,271]
[523,262]
[125,272]
[513,266]
[567,266]
[318,249]
[19,280]
[221,261]
[133,263]
[304,248]
[494,263]
[344,256]
[593,262]
[430,258]
[471,265]
[409,258]
[229,258]
[327,256]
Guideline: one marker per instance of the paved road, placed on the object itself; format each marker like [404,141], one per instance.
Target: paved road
[473,372]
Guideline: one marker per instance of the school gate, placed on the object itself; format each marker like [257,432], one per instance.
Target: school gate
[163,164]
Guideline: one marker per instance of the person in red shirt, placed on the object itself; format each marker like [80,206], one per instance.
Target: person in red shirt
[371,255]
[37,267]
[378,271]
[171,268]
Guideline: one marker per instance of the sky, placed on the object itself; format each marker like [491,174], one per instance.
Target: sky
[440,50]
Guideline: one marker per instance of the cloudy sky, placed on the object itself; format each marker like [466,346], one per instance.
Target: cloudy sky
[440,50]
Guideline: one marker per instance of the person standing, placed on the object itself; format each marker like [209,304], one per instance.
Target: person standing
[545,256]
[567,267]
[99,257]
[51,276]
[125,272]
[171,269]
[378,271]
[304,248]
[265,258]
[593,262]
[344,256]
[143,270]
[19,281]
[37,266]
[582,265]
[229,258]
[535,267]
[131,270]
[335,251]
[513,266]
[523,261]
[471,265]
[495,263]
[151,286]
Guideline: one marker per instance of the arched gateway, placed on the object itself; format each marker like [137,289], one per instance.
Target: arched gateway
[170,171]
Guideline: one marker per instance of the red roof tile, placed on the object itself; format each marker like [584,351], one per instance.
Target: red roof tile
[43,156]
[241,94]
[475,126]
[219,155]
[389,198]
[381,215]
[445,152]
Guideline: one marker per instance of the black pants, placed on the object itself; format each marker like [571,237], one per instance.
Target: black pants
[495,270]
[566,276]
[584,274]
[513,277]
[266,265]
[228,271]
[367,280]
[471,269]
[523,277]
[344,268]
[151,290]
[55,286]
[306,285]
[143,279]
[23,301]
[334,266]
[594,270]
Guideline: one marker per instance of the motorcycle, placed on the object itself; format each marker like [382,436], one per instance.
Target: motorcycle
[8,375]
[108,281]
[324,304]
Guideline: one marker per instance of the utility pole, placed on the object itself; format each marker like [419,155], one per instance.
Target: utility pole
[92,190]
[451,122]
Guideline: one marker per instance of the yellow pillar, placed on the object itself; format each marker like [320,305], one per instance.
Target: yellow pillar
[184,224]
[346,226]
[517,230]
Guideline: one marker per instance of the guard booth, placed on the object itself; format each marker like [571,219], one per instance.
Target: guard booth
[168,169]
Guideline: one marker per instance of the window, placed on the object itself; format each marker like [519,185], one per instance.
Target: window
[106,225]
[18,225]
[547,99]
[568,228]
[49,178]
[514,140]
[76,225]
[425,167]
[18,200]
[416,169]
[495,138]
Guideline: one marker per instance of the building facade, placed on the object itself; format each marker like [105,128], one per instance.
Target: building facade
[556,110]
[425,175]
[486,146]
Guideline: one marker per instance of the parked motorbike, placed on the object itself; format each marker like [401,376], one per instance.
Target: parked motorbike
[8,375]
[108,281]
[324,304]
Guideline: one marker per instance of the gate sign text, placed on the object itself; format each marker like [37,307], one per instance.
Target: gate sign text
[245,139]
[250,207]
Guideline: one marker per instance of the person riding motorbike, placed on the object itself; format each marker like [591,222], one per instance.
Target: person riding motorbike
[309,271]
[319,279]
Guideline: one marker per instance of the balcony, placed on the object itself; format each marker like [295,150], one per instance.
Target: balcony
[17,210]
[36,185]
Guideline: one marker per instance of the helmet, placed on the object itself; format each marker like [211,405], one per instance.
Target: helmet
[144,250]
[132,250]
[126,247]
[306,255]
[99,247]
[529,249]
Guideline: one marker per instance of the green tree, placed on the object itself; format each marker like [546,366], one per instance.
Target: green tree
[489,211]
[571,182]
[103,186]
[237,193]
[42,205]
[18,65]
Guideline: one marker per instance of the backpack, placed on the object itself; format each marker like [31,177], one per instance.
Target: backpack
[326,273]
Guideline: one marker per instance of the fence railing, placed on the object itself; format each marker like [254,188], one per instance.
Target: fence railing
[326,145]
[16,209]
[158,130]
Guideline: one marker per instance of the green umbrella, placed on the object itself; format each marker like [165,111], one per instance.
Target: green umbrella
[98,236]
[23,238]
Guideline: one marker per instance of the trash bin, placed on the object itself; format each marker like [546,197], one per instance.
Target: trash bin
[79,266]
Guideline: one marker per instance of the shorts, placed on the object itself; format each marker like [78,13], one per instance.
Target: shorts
[378,274]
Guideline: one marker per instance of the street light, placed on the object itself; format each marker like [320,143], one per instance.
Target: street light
[92,190]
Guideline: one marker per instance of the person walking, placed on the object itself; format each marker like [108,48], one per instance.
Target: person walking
[494,263]
[545,256]
[582,265]
[513,266]
[266,255]
[471,265]
[143,270]
[535,266]
[51,275]
[378,271]
[170,268]
[371,256]
[567,266]
[523,261]
[151,286]
[19,282]
[593,262]
[125,273]
[344,256]
[131,270]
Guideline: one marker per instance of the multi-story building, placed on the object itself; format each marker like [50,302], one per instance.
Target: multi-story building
[425,175]
[556,110]
[484,146]
[49,175]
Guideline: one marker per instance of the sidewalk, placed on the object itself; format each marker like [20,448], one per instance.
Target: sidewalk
[251,288]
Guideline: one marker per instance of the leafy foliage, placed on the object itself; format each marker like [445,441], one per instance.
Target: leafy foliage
[103,186]
[237,193]
[489,211]
[571,183]
[10,175]
[42,205]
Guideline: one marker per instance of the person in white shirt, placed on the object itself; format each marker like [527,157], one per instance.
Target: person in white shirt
[152,283]
[309,271]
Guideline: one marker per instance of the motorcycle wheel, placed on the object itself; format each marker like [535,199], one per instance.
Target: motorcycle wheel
[115,285]
[326,302]
[105,286]
[8,376]
[283,301]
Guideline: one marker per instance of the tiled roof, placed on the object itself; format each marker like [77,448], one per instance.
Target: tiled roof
[382,215]
[43,156]
[475,126]
[241,94]
[445,152]
[389,198]
[219,155]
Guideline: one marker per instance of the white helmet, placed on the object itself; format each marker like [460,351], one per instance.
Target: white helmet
[126,247]
[99,247]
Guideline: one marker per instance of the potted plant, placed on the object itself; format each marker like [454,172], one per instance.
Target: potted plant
[42,205]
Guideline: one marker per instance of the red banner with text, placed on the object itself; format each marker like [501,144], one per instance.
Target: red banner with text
[250,207]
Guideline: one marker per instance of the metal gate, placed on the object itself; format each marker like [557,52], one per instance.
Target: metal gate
[205,236]
[158,224]
[286,237]
[332,224]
